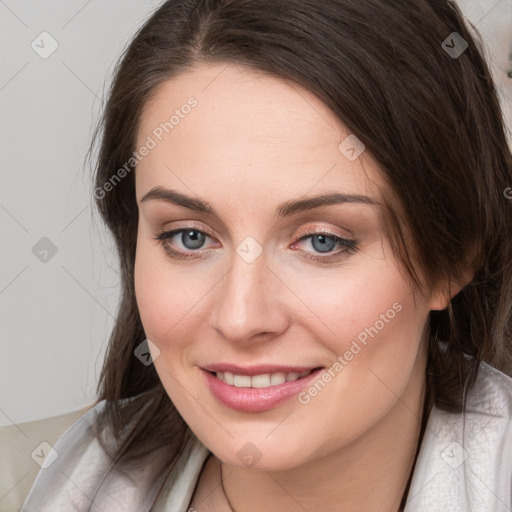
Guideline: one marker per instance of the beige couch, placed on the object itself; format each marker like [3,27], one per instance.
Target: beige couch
[21,455]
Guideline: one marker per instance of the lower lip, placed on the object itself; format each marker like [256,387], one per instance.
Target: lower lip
[257,399]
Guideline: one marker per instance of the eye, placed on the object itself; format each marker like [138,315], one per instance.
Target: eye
[324,243]
[192,239]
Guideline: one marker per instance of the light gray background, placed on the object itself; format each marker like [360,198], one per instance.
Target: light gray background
[56,315]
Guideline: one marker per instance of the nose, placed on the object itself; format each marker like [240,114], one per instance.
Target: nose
[248,302]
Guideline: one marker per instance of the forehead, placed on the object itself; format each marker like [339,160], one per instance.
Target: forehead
[246,130]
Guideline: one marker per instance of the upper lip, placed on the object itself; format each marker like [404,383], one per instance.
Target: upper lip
[256,370]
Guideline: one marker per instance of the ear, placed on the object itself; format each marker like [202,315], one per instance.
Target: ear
[445,291]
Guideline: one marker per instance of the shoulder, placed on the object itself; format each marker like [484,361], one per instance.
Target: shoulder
[465,460]
[82,473]
[24,449]
[71,466]
[492,393]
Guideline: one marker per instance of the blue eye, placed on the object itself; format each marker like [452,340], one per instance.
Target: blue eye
[193,239]
[325,243]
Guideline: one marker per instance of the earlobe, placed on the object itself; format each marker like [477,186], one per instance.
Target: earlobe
[442,296]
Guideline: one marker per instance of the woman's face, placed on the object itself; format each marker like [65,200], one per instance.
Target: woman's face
[262,282]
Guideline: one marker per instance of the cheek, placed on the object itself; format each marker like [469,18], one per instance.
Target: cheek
[363,302]
[374,336]
[372,326]
[166,295]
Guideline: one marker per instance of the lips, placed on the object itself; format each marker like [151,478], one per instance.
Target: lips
[256,399]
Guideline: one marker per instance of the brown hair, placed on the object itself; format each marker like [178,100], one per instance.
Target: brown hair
[432,122]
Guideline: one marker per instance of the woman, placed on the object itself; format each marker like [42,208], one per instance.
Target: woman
[309,205]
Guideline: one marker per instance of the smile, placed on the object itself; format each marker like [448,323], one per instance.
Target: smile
[260,391]
[263,380]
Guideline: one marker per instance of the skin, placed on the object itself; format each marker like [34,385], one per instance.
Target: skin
[251,143]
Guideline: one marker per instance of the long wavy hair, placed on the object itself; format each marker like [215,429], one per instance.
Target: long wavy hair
[432,121]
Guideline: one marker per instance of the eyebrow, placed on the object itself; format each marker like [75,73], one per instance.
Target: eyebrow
[285,209]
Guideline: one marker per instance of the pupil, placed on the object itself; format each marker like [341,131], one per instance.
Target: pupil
[196,237]
[324,246]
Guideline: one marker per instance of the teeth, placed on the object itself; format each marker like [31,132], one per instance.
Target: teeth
[242,381]
[260,381]
[228,378]
[292,376]
[277,378]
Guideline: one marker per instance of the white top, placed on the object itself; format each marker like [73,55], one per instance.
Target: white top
[457,469]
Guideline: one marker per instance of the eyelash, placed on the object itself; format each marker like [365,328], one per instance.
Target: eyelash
[349,246]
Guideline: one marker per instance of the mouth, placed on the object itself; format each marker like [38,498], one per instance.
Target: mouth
[263,380]
[259,391]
